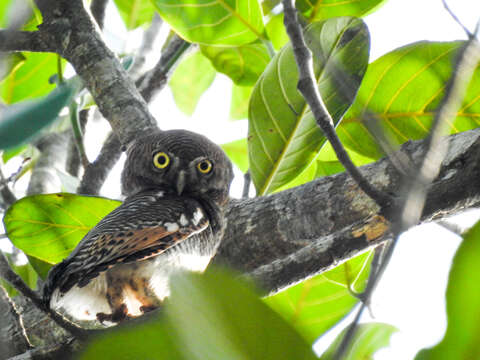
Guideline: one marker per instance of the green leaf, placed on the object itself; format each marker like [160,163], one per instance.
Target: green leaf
[237,152]
[192,77]
[49,226]
[239,103]
[315,305]
[327,168]
[41,267]
[324,9]
[307,175]
[20,122]
[211,316]
[220,22]
[368,339]
[283,135]
[26,272]
[403,89]
[463,304]
[243,64]
[135,13]
[30,79]
[276,31]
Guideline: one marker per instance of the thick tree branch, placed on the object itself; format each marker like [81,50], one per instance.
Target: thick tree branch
[36,41]
[307,88]
[77,40]
[290,236]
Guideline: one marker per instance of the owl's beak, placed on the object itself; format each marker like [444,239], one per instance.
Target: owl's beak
[180,185]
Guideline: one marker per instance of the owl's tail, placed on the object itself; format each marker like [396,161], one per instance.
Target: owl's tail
[53,281]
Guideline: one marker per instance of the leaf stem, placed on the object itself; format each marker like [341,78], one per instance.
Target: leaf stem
[77,132]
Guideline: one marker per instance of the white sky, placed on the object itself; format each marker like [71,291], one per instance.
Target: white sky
[411,295]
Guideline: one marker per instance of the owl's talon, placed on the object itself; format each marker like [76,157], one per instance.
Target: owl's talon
[147,308]
[117,316]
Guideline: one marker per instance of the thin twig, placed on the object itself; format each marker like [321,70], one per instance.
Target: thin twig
[96,172]
[7,195]
[97,8]
[307,88]
[247,179]
[146,47]
[456,19]
[416,190]
[155,79]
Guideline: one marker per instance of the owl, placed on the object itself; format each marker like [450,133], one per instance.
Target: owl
[176,185]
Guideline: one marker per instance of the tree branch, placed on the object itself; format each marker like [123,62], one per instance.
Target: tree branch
[97,8]
[14,340]
[44,178]
[77,40]
[154,80]
[298,233]
[307,88]
[97,172]
[36,41]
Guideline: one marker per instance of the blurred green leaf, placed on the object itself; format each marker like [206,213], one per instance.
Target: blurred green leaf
[243,64]
[217,317]
[211,316]
[49,226]
[463,304]
[403,89]
[324,9]
[192,77]
[30,79]
[11,153]
[20,122]
[239,103]
[223,22]
[4,6]
[283,135]
[276,31]
[135,13]
[237,152]
[368,339]
[317,304]
[26,272]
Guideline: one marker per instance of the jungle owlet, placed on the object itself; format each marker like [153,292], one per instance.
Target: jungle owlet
[176,184]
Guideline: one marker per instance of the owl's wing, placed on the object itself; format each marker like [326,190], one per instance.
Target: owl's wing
[143,226]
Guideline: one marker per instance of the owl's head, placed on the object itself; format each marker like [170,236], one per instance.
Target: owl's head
[178,161]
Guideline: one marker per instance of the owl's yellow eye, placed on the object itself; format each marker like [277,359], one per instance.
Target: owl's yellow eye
[161,160]
[204,166]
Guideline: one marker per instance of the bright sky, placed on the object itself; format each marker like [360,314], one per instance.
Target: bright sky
[411,295]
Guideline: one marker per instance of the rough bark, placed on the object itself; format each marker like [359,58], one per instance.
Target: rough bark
[301,232]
